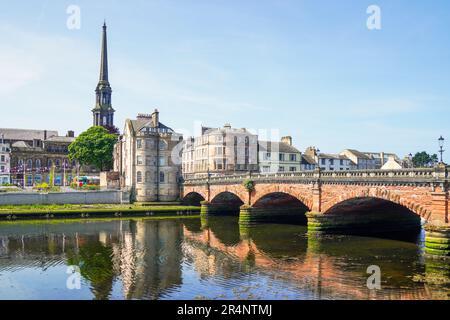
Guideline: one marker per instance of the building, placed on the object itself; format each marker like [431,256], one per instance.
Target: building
[329,162]
[276,157]
[147,157]
[103,112]
[307,163]
[360,159]
[391,164]
[33,153]
[382,157]
[220,151]
[5,163]
[369,160]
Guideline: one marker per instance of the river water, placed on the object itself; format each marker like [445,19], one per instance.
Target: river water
[208,259]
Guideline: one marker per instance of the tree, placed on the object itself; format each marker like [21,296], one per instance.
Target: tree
[94,147]
[423,159]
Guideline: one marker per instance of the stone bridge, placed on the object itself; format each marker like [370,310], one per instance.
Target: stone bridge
[375,201]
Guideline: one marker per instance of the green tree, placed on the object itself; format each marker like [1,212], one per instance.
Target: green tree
[423,159]
[94,147]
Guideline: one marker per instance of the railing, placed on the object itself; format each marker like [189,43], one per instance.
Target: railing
[424,175]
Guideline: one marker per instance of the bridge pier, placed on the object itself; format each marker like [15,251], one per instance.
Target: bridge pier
[368,224]
[437,240]
[249,215]
[208,208]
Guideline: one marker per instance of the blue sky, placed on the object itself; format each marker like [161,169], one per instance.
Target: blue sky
[310,69]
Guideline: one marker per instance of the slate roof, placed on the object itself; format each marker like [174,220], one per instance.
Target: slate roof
[269,146]
[138,124]
[359,155]
[61,139]
[307,159]
[25,134]
[332,156]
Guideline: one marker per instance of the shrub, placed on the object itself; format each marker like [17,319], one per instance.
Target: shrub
[249,185]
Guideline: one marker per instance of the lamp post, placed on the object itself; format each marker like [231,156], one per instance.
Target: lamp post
[441,146]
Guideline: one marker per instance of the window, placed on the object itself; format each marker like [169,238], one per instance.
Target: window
[342,162]
[161,177]
[139,160]
[147,176]
[139,143]
[29,180]
[282,157]
[139,177]
[266,169]
[38,163]
[281,169]
[58,180]
[162,145]
[162,161]
[267,156]
[57,162]
[323,161]
[293,169]
[219,151]
[29,164]
[49,163]
[292,157]
[331,162]
[2,158]
[149,144]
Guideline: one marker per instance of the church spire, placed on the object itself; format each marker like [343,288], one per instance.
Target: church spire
[104,58]
[103,113]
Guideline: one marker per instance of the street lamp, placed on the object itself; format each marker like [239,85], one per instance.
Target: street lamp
[441,146]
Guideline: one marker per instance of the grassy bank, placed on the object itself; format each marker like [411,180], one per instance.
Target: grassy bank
[97,210]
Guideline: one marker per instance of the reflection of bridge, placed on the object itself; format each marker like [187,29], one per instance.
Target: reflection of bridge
[314,264]
[335,200]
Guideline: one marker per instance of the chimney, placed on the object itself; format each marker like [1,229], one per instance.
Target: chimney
[155,118]
[70,134]
[287,140]
[382,158]
[45,135]
[227,126]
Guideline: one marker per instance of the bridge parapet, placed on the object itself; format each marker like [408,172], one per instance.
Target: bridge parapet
[402,176]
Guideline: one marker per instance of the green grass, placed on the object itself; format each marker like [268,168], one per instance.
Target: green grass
[97,208]
[87,220]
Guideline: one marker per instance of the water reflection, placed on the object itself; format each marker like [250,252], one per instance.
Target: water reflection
[208,258]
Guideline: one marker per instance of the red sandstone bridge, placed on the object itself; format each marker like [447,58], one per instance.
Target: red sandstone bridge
[336,201]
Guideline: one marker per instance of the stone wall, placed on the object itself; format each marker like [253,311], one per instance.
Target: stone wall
[87,197]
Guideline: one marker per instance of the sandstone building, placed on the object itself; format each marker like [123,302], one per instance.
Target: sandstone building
[220,151]
[148,159]
[34,152]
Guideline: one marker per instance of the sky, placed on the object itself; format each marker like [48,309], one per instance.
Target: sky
[311,69]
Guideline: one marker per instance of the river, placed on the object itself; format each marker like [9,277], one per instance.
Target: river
[208,259]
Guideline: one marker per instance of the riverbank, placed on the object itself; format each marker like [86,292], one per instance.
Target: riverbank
[70,211]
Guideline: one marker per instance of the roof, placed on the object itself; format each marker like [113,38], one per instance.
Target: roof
[26,134]
[138,124]
[358,154]
[20,144]
[272,146]
[61,139]
[208,130]
[307,159]
[332,156]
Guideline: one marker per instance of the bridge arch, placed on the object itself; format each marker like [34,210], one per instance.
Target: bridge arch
[301,192]
[227,202]
[193,199]
[382,195]
[283,206]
